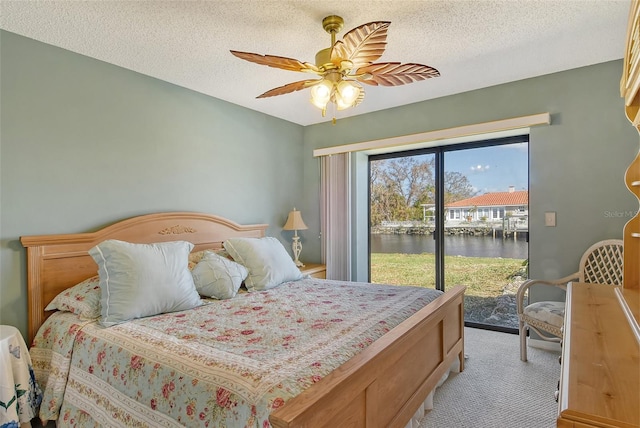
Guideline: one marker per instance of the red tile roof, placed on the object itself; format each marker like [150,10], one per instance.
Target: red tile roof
[520,197]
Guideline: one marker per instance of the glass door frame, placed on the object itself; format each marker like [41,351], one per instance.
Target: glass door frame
[439,233]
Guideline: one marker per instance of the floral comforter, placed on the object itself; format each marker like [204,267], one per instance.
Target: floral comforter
[225,364]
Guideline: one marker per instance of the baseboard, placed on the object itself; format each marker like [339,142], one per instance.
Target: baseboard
[545,344]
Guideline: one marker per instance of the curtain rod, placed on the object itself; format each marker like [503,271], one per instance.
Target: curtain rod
[441,134]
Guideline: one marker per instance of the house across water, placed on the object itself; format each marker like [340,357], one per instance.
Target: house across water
[491,208]
[502,213]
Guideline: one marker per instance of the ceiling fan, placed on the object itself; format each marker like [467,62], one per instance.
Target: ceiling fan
[342,67]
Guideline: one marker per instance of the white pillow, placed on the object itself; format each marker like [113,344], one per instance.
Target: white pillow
[218,277]
[266,259]
[139,280]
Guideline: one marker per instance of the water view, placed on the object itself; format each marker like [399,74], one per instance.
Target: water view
[459,245]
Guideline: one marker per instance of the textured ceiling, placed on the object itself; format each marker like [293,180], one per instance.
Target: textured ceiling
[474,44]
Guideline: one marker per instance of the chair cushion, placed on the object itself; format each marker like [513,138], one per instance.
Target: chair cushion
[547,312]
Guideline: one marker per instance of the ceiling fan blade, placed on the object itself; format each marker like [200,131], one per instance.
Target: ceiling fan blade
[362,45]
[394,73]
[277,62]
[289,87]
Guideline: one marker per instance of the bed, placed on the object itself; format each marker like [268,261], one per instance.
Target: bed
[385,382]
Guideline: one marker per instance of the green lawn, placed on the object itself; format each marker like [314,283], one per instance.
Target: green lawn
[483,276]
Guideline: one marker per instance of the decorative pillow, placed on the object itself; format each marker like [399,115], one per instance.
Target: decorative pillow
[266,259]
[217,276]
[139,280]
[82,299]
[194,258]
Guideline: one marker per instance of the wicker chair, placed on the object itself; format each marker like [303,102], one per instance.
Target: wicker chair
[601,263]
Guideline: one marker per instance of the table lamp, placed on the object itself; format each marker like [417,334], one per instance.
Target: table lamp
[295,223]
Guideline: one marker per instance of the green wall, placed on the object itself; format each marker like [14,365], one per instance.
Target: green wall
[576,164]
[85,144]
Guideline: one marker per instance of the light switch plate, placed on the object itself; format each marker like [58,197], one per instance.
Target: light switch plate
[550,218]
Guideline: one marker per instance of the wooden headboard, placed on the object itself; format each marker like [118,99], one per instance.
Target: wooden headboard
[57,262]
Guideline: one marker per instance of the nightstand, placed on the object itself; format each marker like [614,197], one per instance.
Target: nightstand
[315,270]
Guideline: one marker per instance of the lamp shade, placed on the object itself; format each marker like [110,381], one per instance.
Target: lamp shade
[346,95]
[321,94]
[294,221]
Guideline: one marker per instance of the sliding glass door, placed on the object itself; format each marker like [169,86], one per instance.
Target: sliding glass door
[403,220]
[454,215]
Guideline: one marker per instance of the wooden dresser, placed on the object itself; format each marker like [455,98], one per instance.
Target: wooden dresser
[600,378]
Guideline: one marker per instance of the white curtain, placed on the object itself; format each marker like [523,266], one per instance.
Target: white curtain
[335,215]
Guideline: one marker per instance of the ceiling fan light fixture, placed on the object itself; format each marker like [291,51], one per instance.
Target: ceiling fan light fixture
[344,66]
[321,93]
[346,94]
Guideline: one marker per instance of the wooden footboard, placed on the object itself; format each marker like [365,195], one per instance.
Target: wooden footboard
[384,385]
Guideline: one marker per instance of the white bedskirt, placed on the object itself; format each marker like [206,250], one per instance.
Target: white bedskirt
[427,405]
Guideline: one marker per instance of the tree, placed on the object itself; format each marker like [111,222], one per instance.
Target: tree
[400,186]
[456,187]
[410,176]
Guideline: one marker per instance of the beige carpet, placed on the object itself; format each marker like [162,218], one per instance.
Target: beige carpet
[496,389]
